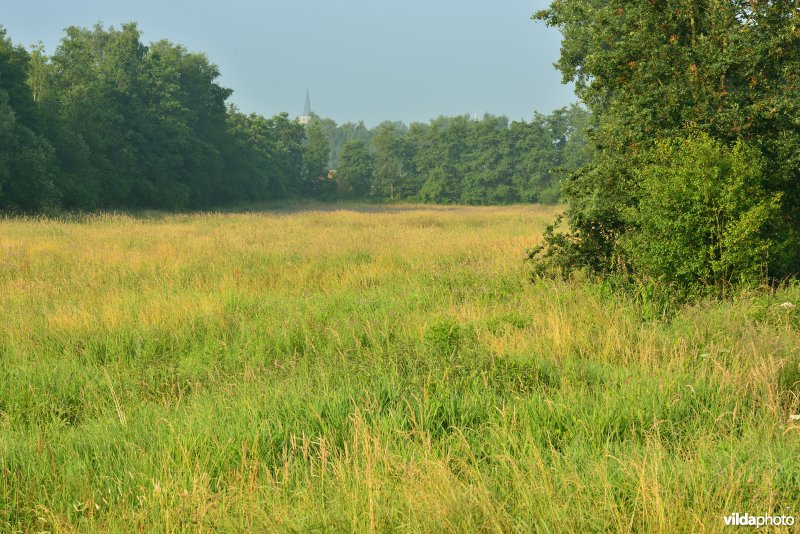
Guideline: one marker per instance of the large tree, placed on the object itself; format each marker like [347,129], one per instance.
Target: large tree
[654,71]
[27,159]
[389,154]
[316,154]
[487,168]
[355,169]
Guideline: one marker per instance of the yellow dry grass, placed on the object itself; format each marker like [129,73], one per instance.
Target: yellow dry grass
[372,370]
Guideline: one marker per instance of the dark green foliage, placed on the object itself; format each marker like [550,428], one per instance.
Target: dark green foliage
[108,122]
[27,159]
[316,153]
[655,75]
[390,158]
[545,150]
[354,174]
[456,160]
[151,118]
[262,157]
[451,160]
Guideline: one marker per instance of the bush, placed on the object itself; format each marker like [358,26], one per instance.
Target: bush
[700,222]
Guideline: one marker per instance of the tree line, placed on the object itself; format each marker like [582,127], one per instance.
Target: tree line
[694,183]
[458,159]
[107,122]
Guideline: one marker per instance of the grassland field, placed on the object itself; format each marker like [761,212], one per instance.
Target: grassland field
[369,371]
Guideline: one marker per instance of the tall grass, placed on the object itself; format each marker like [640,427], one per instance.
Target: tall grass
[345,371]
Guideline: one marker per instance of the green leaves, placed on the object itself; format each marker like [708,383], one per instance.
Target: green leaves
[27,159]
[109,122]
[701,218]
[672,72]
[355,170]
[316,153]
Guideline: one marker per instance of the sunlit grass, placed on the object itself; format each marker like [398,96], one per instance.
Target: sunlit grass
[361,371]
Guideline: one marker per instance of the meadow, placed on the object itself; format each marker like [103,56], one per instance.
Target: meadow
[369,371]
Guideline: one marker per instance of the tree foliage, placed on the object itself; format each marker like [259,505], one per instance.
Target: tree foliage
[663,72]
[355,170]
[701,220]
[458,160]
[316,153]
[109,122]
[27,159]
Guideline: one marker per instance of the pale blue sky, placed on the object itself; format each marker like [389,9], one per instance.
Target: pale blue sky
[360,59]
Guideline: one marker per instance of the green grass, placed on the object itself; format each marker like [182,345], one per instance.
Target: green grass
[342,371]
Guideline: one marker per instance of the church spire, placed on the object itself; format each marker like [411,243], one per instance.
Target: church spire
[305,118]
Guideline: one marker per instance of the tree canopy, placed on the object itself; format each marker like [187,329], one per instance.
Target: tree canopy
[460,160]
[109,122]
[663,80]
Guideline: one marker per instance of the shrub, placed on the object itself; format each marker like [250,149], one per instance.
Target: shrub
[700,224]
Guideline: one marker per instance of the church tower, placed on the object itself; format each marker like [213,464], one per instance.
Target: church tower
[305,118]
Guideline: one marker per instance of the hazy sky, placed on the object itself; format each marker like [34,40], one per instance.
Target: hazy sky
[367,60]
